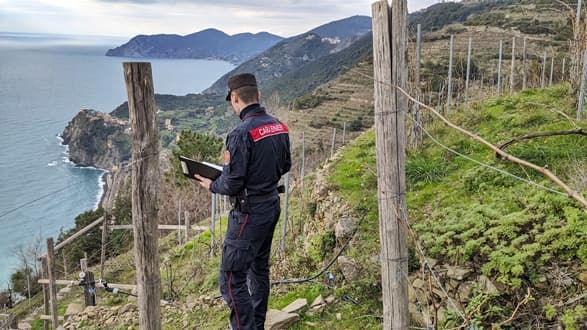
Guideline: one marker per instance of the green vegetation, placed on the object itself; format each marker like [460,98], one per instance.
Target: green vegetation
[468,215]
[201,147]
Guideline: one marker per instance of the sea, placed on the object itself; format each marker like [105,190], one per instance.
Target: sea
[45,80]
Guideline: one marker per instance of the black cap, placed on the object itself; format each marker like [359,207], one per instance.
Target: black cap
[240,80]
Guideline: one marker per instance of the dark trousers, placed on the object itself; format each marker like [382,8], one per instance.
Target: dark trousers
[244,270]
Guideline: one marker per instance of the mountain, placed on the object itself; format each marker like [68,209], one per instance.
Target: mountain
[206,44]
[295,52]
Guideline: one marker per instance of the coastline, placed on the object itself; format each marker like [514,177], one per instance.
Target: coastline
[102,179]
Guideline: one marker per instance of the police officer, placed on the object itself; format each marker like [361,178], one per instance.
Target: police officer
[257,155]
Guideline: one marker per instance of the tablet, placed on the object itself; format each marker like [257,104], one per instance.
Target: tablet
[191,167]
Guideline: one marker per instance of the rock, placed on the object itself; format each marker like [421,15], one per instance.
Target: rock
[583,278]
[97,139]
[486,284]
[65,290]
[311,324]
[344,228]
[350,269]
[432,262]
[419,284]
[330,299]
[90,311]
[296,306]
[24,326]
[416,316]
[411,294]
[457,273]
[464,291]
[127,309]
[73,309]
[318,301]
[339,316]
[279,320]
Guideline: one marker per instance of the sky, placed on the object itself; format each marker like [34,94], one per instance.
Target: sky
[127,18]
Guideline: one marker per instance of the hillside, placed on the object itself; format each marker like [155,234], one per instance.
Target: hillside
[499,246]
[205,44]
[292,53]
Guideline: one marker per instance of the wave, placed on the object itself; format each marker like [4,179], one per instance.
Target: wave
[53,163]
[101,190]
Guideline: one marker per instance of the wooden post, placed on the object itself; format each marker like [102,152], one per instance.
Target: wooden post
[145,187]
[46,296]
[499,67]
[563,69]
[333,142]
[343,132]
[179,222]
[417,115]
[582,88]
[512,70]
[542,81]
[449,90]
[103,252]
[186,222]
[303,163]
[52,287]
[285,207]
[212,225]
[390,69]
[551,71]
[524,74]
[65,272]
[468,72]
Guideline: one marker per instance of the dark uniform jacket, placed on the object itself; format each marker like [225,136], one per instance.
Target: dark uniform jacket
[257,155]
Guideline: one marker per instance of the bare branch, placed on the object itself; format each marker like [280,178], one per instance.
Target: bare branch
[578,131]
[524,301]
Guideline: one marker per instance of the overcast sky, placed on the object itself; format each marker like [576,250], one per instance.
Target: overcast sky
[127,18]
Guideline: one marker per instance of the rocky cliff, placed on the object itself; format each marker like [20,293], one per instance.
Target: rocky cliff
[97,139]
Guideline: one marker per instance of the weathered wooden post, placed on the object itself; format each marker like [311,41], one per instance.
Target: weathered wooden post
[468,72]
[513,67]
[103,252]
[333,142]
[213,226]
[179,222]
[449,91]
[46,297]
[524,74]
[390,70]
[186,222]
[87,281]
[145,188]
[542,80]
[499,67]
[582,88]
[285,209]
[551,71]
[52,287]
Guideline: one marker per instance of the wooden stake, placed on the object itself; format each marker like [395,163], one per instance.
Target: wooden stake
[52,288]
[512,70]
[499,67]
[145,187]
[389,65]
[103,252]
[46,296]
[468,72]
[449,90]
[524,74]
